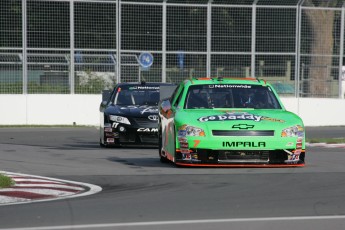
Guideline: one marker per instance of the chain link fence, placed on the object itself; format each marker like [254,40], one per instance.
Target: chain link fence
[85,46]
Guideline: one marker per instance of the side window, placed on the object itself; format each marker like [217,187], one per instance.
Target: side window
[173,95]
[112,96]
[178,97]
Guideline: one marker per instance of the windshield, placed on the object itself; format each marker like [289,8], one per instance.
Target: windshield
[136,95]
[231,96]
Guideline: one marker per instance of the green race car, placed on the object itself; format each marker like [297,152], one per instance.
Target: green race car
[229,122]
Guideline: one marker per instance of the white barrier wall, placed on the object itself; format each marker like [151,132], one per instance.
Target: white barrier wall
[56,109]
[50,109]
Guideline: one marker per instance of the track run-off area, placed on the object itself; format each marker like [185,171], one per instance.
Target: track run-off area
[139,192]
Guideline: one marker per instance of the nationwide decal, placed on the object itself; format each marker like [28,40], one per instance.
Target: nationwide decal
[238,116]
[230,86]
[244,144]
[144,88]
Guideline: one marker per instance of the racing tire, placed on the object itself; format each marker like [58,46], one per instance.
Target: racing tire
[101,144]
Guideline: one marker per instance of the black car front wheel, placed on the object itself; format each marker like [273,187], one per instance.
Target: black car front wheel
[101,144]
[162,158]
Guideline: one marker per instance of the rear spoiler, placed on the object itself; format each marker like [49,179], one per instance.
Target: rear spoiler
[166,91]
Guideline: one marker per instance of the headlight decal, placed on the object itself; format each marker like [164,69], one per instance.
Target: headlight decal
[187,130]
[293,131]
[119,119]
[183,132]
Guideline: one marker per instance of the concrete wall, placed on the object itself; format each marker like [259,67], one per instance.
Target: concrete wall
[53,109]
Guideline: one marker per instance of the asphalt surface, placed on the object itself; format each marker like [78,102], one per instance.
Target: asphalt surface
[139,192]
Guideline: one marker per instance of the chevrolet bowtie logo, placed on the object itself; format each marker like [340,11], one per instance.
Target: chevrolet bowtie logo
[242,126]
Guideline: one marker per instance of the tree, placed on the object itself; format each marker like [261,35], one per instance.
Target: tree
[321,24]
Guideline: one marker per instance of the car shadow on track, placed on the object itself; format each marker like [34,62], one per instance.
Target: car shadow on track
[150,162]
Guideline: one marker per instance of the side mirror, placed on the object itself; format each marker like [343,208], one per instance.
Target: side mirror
[165,105]
[103,103]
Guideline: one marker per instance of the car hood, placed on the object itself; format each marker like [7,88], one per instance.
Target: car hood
[238,119]
[132,110]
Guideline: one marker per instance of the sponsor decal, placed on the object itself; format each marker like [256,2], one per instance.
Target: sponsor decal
[186,151]
[112,135]
[230,86]
[144,88]
[183,145]
[115,124]
[293,157]
[107,129]
[231,116]
[289,144]
[186,156]
[237,116]
[272,119]
[110,140]
[149,110]
[148,130]
[182,139]
[143,108]
[182,133]
[243,144]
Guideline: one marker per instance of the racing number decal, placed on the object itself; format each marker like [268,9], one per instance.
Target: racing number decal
[196,143]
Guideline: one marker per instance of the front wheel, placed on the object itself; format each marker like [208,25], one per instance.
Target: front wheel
[162,158]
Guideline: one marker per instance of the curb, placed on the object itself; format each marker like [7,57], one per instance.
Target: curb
[30,188]
[326,145]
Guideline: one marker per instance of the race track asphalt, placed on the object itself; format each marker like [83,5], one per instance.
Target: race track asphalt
[139,192]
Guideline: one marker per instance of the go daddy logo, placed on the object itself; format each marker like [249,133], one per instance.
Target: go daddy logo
[231,116]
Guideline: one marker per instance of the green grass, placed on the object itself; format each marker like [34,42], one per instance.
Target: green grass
[5,181]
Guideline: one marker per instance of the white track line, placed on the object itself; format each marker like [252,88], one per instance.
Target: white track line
[156,223]
[62,186]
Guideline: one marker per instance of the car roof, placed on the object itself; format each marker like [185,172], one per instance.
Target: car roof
[225,80]
[143,83]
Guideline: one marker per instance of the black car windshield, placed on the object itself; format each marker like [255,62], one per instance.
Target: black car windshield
[136,95]
[231,96]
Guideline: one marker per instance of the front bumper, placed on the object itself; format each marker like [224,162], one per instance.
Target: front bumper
[240,158]
[248,151]
[130,135]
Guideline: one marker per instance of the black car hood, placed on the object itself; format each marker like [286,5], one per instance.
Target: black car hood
[132,110]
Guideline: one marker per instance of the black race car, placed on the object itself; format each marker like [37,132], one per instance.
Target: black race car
[129,114]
